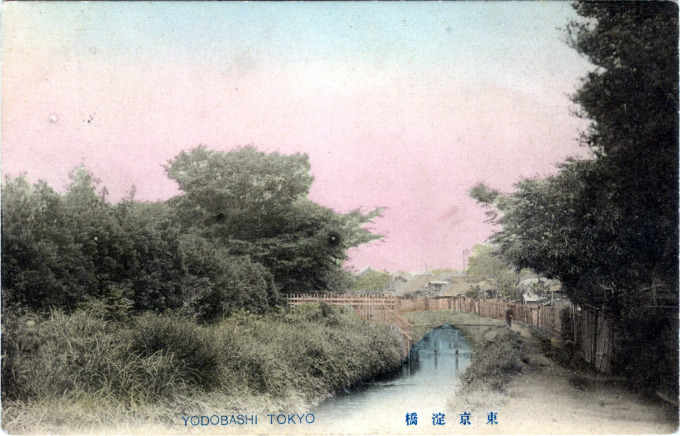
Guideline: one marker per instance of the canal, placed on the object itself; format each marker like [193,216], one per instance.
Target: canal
[428,378]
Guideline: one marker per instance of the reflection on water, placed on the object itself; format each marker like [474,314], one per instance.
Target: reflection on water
[427,379]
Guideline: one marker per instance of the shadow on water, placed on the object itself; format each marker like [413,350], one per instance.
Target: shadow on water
[424,382]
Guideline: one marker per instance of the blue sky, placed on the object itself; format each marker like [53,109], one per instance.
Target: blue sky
[468,37]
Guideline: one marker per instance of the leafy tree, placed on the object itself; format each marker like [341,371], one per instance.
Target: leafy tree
[150,256]
[75,251]
[254,204]
[96,234]
[607,227]
[241,194]
[373,281]
[29,248]
[47,244]
[631,99]
[243,230]
[483,262]
[235,283]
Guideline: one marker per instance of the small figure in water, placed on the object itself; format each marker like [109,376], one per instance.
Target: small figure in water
[508,316]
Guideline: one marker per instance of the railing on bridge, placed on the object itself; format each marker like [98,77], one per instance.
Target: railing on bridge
[404,327]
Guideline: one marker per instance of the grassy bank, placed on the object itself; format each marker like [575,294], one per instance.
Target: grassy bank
[498,354]
[79,373]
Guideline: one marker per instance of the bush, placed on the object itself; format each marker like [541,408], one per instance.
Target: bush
[494,362]
[312,350]
[648,338]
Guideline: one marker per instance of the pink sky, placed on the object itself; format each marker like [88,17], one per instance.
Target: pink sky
[386,127]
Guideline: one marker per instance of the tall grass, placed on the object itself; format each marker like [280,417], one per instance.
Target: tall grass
[69,356]
[82,372]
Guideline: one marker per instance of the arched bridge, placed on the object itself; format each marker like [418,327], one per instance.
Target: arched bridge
[388,308]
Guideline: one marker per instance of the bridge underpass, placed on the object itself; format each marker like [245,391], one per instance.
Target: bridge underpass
[389,309]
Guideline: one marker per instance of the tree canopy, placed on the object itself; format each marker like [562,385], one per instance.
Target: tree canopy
[607,227]
[255,204]
[242,232]
[484,263]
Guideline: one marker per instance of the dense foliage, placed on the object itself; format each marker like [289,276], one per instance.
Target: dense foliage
[484,263]
[119,311]
[255,204]
[242,232]
[372,281]
[607,227]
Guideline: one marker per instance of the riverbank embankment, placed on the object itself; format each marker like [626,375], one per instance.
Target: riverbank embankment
[546,393]
[81,373]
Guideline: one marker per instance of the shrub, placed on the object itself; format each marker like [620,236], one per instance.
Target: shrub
[494,362]
[90,364]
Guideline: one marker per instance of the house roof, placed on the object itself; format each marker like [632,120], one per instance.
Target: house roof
[417,283]
[530,297]
[460,287]
[550,284]
[365,271]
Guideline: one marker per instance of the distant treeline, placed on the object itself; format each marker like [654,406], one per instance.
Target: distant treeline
[240,235]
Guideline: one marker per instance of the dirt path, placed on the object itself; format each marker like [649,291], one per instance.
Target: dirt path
[549,399]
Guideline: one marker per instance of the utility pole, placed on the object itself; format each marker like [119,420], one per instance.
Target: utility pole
[103,193]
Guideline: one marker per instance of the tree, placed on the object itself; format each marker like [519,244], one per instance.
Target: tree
[373,281]
[632,101]
[150,259]
[255,204]
[607,227]
[73,250]
[483,262]
[50,253]
[30,243]
[96,233]
[241,194]
[216,283]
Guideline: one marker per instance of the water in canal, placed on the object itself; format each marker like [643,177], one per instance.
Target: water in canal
[428,378]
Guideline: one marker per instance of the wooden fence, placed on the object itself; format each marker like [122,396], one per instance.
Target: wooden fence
[379,308]
[589,330]
[593,335]
[390,302]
